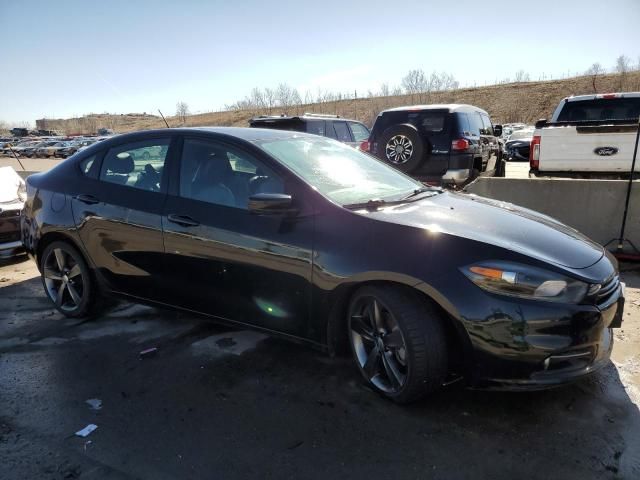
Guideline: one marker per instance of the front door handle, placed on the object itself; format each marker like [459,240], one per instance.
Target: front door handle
[183,220]
[90,199]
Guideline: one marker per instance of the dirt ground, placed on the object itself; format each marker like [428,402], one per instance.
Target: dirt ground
[220,403]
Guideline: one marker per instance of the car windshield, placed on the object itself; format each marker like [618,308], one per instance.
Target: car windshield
[341,173]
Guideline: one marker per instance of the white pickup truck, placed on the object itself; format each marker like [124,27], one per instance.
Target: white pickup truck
[587,136]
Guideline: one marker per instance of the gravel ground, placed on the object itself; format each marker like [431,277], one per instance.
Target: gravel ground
[220,403]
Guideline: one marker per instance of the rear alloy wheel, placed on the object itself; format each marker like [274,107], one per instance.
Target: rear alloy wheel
[399,149]
[67,279]
[402,147]
[398,342]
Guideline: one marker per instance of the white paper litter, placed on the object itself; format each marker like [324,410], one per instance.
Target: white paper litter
[86,430]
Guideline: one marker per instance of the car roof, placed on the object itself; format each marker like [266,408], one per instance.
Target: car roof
[580,98]
[276,118]
[243,133]
[450,107]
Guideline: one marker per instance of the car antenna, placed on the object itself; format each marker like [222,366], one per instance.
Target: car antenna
[165,120]
[16,157]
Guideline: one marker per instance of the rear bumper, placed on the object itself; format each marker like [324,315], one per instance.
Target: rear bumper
[456,176]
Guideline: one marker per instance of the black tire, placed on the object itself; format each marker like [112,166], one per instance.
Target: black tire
[411,332]
[67,280]
[402,147]
[500,168]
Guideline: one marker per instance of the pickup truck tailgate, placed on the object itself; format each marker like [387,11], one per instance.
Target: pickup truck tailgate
[602,148]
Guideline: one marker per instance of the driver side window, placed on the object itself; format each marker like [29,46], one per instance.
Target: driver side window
[216,173]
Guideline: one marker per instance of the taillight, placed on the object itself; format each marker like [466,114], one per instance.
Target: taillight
[460,144]
[365,146]
[534,152]
[608,95]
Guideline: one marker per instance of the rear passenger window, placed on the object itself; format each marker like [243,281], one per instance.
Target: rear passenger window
[136,165]
[488,128]
[463,124]
[315,127]
[359,131]
[342,132]
[330,131]
[475,124]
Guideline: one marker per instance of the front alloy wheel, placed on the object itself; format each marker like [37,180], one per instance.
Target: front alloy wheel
[378,345]
[399,149]
[398,341]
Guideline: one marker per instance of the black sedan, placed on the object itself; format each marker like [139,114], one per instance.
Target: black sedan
[517,147]
[304,237]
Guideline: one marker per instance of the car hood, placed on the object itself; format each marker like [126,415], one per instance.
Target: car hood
[497,223]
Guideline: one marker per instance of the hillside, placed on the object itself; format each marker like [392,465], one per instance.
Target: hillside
[511,102]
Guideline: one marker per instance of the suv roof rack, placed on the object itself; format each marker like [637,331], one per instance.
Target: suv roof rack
[322,115]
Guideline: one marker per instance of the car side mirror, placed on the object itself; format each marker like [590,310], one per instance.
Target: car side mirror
[541,123]
[271,204]
[497,130]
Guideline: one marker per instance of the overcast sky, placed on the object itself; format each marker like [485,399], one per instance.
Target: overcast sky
[66,58]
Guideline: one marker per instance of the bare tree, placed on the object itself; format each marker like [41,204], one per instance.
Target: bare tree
[257,98]
[595,71]
[522,76]
[182,110]
[623,64]
[384,90]
[414,82]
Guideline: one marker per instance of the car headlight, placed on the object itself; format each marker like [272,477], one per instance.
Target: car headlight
[22,192]
[524,281]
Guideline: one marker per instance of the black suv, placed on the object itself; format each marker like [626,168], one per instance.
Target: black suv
[448,144]
[351,132]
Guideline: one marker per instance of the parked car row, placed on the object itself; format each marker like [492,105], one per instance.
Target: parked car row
[59,147]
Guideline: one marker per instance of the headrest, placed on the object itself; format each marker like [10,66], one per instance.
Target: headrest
[121,163]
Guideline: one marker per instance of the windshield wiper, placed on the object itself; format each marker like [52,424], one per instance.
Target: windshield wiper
[421,190]
[372,204]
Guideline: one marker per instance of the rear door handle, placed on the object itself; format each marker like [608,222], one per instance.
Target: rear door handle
[90,199]
[183,220]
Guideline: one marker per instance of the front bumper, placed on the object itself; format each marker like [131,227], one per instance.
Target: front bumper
[529,345]
[10,238]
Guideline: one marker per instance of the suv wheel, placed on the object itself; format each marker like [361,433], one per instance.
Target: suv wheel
[402,147]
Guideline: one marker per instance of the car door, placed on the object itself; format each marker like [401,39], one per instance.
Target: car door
[225,261]
[117,212]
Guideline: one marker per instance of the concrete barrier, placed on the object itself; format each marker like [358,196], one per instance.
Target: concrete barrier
[594,207]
